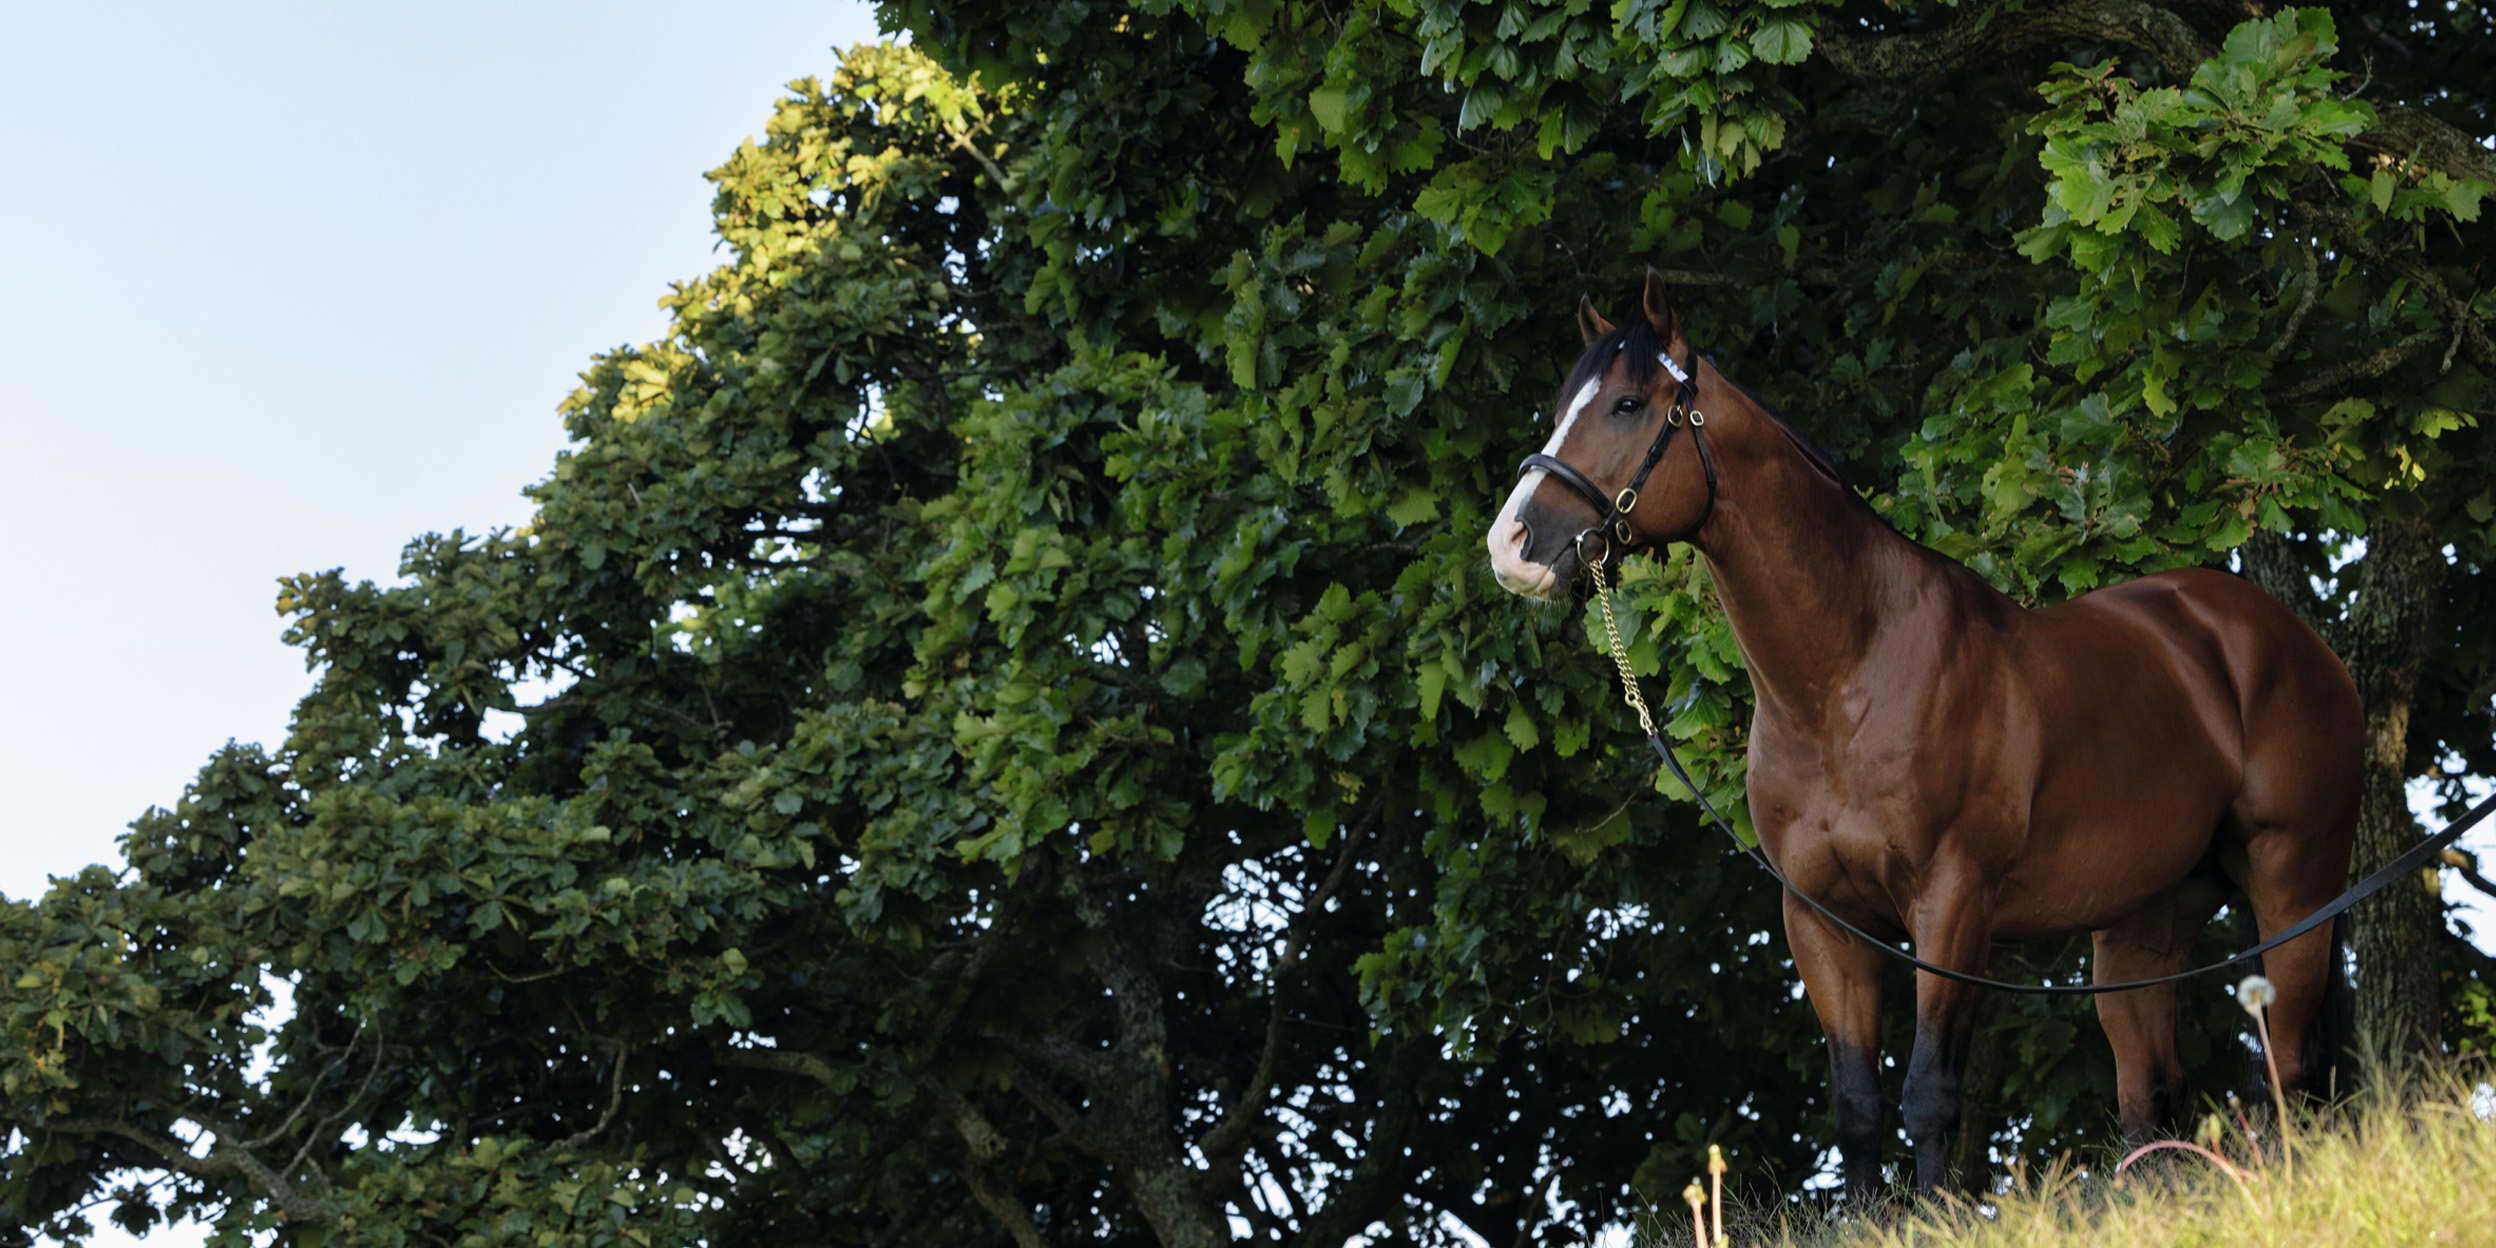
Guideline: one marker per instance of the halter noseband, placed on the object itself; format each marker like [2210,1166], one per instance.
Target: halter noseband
[1615,527]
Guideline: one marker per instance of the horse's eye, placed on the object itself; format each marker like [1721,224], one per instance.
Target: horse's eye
[1629,403]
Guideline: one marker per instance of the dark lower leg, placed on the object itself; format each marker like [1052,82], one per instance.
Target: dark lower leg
[1855,1096]
[1933,1096]
[2300,972]
[1842,975]
[1952,930]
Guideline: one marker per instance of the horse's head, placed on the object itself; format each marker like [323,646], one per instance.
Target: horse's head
[1614,477]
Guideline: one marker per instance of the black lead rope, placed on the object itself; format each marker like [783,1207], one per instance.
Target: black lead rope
[2416,859]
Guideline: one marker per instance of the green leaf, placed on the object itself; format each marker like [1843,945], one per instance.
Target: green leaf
[1326,104]
[1431,679]
[1414,505]
[1520,727]
[2462,196]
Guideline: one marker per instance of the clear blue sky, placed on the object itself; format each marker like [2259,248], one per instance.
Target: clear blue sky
[284,286]
[287,285]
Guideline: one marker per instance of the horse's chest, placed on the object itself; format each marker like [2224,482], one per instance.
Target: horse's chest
[1865,763]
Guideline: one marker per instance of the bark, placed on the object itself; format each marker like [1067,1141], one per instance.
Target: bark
[2280,568]
[1915,61]
[1980,1110]
[2403,133]
[1127,1108]
[2394,933]
[984,1148]
[223,1159]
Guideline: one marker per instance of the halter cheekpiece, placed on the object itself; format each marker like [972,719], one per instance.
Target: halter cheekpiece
[1614,530]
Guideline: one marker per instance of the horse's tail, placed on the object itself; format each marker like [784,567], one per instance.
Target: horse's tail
[2331,1059]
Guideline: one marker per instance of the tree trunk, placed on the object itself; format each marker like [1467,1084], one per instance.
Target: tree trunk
[2393,933]
[1171,1198]
[1980,1108]
[1125,1115]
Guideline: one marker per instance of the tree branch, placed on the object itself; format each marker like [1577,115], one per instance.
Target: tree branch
[2404,133]
[1373,1185]
[1078,1132]
[1082,1066]
[983,953]
[308,1096]
[1223,1144]
[2469,868]
[2455,311]
[1916,62]
[962,140]
[2312,282]
[381,1048]
[782,1061]
[985,1147]
[615,1097]
[2373,365]
[223,1159]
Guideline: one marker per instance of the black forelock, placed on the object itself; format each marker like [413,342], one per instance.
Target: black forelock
[1635,342]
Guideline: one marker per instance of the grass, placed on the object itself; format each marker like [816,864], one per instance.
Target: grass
[2414,1166]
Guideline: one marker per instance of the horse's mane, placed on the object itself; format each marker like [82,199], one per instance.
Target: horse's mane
[1639,348]
[1813,453]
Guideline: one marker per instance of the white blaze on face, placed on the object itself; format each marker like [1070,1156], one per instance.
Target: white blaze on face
[1507,540]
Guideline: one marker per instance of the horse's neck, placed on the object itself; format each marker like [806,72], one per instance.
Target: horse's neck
[1806,572]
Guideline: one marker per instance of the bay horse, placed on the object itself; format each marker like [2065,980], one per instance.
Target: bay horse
[1935,762]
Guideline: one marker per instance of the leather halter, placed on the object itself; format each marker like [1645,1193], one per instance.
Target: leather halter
[1618,535]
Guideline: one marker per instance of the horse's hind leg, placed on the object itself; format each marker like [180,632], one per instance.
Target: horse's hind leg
[2292,826]
[2287,835]
[2303,969]
[2140,1024]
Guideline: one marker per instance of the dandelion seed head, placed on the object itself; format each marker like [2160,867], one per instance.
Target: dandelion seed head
[2256,993]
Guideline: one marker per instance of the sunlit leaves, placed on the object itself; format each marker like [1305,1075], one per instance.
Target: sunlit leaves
[2129,161]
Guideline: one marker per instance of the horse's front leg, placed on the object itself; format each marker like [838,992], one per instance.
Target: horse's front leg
[1954,928]
[1842,976]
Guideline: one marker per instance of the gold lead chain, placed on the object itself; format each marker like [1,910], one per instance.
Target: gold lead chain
[1620,654]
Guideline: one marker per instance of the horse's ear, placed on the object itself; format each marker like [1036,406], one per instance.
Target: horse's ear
[1658,304]
[1589,321]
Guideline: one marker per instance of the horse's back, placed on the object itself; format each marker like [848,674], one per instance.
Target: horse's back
[2297,722]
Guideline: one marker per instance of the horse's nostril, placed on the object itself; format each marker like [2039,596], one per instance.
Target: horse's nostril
[1525,536]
